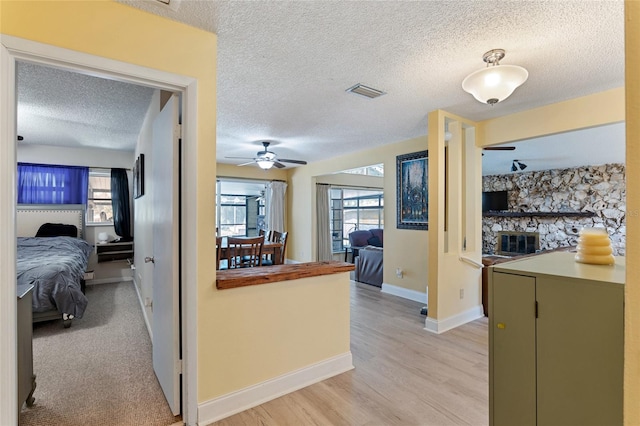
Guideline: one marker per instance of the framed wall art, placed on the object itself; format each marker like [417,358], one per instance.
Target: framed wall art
[138,177]
[412,177]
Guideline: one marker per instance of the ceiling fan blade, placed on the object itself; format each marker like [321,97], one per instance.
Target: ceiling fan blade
[246,164]
[499,148]
[278,165]
[292,161]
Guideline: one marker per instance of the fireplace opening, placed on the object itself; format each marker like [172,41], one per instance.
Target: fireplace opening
[514,243]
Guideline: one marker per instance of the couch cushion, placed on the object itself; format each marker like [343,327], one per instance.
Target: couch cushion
[359,238]
[374,241]
[378,232]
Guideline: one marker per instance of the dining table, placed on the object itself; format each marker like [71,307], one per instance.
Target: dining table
[269,248]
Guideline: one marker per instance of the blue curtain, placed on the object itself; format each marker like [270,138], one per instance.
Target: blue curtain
[120,204]
[52,184]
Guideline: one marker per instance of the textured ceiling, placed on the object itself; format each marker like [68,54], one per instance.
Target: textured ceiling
[283,67]
[57,107]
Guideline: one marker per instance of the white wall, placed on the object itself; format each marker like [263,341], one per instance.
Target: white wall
[89,157]
[143,213]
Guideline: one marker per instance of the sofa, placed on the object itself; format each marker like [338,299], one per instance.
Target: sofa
[367,250]
[363,238]
[369,266]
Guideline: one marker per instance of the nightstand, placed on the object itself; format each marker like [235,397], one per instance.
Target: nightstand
[114,251]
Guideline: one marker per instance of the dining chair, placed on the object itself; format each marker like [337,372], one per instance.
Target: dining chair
[282,239]
[244,252]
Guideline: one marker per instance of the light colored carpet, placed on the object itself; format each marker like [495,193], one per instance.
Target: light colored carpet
[99,371]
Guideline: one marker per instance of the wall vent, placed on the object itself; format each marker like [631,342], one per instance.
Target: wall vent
[363,90]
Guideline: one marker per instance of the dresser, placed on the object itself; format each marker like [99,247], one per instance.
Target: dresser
[556,342]
[26,378]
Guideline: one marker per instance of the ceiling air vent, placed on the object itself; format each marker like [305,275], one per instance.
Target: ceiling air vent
[363,90]
[172,4]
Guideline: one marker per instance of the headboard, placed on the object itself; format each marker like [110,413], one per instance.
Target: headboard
[29,217]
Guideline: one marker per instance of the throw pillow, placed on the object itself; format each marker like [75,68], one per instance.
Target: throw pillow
[374,241]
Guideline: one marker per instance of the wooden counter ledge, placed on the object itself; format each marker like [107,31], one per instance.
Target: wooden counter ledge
[233,278]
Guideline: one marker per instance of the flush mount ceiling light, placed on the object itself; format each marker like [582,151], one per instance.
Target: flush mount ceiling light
[496,82]
[517,164]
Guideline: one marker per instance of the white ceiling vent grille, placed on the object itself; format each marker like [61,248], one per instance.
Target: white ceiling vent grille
[363,90]
[173,4]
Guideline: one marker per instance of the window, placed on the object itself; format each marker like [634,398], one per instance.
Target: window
[51,184]
[353,209]
[373,170]
[99,209]
[233,215]
[240,206]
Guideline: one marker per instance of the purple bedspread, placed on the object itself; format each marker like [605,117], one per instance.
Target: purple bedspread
[55,267]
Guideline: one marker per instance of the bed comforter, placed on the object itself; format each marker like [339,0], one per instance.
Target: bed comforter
[55,267]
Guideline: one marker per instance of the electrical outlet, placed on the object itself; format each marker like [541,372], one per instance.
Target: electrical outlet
[462,293]
[399,273]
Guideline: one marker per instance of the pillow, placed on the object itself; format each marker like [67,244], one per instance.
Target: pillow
[374,241]
[57,230]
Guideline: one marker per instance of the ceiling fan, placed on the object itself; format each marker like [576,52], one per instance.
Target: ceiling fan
[267,159]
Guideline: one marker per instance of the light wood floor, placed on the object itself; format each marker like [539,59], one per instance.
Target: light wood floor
[403,374]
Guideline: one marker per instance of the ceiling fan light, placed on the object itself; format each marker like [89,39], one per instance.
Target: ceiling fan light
[495,83]
[264,164]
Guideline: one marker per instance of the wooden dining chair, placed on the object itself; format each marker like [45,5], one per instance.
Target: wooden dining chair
[244,252]
[281,237]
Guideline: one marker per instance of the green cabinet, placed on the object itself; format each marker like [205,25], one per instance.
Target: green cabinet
[556,342]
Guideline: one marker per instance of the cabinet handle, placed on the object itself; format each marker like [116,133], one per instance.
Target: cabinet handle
[149,259]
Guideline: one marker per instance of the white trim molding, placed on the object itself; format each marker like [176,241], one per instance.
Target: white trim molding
[8,297]
[405,293]
[252,396]
[440,326]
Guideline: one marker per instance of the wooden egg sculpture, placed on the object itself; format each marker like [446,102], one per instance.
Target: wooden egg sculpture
[594,247]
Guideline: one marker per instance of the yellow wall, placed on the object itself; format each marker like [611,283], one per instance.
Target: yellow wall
[587,111]
[281,327]
[632,296]
[409,247]
[454,285]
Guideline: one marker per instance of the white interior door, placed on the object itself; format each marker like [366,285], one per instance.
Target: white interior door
[166,281]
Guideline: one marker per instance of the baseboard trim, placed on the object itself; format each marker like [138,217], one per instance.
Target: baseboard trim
[109,280]
[144,311]
[235,402]
[405,293]
[440,326]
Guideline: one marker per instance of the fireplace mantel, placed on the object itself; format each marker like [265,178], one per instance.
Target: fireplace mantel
[538,214]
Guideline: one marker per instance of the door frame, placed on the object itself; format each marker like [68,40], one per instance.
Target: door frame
[14,49]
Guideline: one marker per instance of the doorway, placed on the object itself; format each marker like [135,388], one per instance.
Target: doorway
[13,50]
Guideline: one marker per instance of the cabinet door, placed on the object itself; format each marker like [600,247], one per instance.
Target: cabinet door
[580,352]
[512,362]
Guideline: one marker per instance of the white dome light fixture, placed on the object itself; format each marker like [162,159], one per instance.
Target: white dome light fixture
[496,82]
[264,163]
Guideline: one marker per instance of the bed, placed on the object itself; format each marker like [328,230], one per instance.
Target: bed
[54,261]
